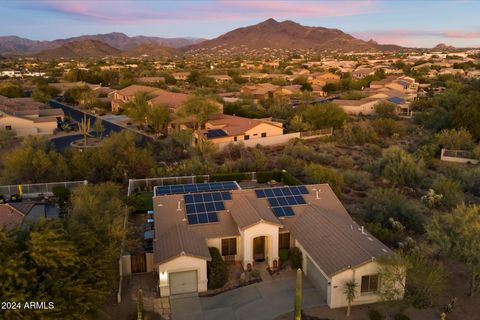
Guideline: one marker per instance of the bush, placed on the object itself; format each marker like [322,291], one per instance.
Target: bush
[357,180]
[296,257]
[375,315]
[228,177]
[290,180]
[385,127]
[451,191]
[401,316]
[345,162]
[386,110]
[217,270]
[356,133]
[267,176]
[320,174]
[400,167]
[283,254]
[455,139]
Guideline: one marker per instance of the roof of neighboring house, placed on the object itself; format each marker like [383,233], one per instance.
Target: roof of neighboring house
[171,99]
[249,211]
[343,245]
[359,102]
[234,125]
[10,217]
[134,88]
[396,100]
[179,240]
[23,207]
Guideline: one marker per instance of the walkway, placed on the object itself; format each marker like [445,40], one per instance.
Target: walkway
[261,301]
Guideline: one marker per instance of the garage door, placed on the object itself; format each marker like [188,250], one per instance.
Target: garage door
[317,278]
[183,282]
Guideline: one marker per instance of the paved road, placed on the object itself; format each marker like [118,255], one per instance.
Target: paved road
[63,142]
[261,301]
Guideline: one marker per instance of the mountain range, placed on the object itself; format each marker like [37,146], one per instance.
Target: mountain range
[262,37]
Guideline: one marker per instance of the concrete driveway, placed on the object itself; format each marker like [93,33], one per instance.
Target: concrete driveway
[261,301]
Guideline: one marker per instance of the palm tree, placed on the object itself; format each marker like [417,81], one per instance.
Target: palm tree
[158,116]
[350,291]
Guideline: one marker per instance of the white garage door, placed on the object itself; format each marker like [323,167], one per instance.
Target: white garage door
[183,282]
[317,278]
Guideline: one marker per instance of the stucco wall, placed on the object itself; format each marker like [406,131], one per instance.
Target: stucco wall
[367,108]
[267,141]
[271,244]
[25,127]
[179,264]
[217,243]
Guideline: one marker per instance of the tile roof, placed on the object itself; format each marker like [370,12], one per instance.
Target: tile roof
[179,240]
[335,242]
[10,218]
[233,125]
[248,211]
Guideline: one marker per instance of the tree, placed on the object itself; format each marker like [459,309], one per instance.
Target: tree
[158,117]
[350,291]
[454,139]
[280,107]
[385,127]
[320,174]
[6,136]
[35,161]
[386,110]
[458,234]
[98,127]
[138,108]
[11,89]
[451,191]
[298,295]
[82,95]
[400,167]
[383,204]
[298,124]
[44,93]
[325,115]
[217,270]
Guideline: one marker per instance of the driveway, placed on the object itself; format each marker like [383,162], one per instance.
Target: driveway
[261,301]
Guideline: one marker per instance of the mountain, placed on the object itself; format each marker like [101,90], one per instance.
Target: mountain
[152,50]
[80,49]
[286,35]
[443,47]
[13,45]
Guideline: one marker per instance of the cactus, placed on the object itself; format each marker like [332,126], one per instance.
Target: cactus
[139,305]
[85,128]
[298,296]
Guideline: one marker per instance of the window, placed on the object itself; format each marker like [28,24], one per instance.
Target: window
[284,240]
[8,128]
[229,247]
[246,137]
[369,284]
[234,138]
[264,134]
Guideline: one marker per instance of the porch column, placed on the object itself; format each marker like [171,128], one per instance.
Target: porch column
[247,246]
[272,248]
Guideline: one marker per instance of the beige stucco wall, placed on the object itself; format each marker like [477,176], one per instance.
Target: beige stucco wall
[179,264]
[368,108]
[267,141]
[217,243]
[24,127]
[271,244]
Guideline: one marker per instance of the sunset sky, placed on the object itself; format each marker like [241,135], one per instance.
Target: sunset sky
[408,23]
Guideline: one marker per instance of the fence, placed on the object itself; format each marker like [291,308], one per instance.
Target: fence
[460,156]
[38,189]
[316,133]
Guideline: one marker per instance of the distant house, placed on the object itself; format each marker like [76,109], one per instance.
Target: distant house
[223,128]
[251,226]
[260,91]
[150,80]
[10,218]
[14,215]
[159,96]
[181,76]
[361,73]
[323,78]
[364,106]
[27,117]
[403,84]
[221,78]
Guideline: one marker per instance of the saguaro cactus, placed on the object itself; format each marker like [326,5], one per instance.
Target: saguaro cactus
[139,305]
[85,128]
[298,296]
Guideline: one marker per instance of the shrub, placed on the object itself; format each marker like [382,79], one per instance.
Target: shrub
[358,180]
[228,177]
[320,174]
[266,176]
[385,127]
[386,110]
[345,162]
[451,191]
[296,257]
[357,133]
[383,204]
[255,273]
[400,167]
[375,315]
[284,254]
[217,270]
[401,316]
[455,139]
[289,179]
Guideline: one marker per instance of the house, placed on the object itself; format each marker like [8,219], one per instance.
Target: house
[27,117]
[260,91]
[181,76]
[323,78]
[13,215]
[251,226]
[223,128]
[10,218]
[221,78]
[361,73]
[150,80]
[402,84]
[159,96]
[365,106]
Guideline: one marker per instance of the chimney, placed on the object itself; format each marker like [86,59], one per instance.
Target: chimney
[363,230]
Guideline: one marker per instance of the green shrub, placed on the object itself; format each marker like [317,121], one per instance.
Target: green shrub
[357,180]
[320,174]
[296,257]
[451,191]
[217,270]
[401,316]
[345,162]
[267,176]
[400,167]
[284,254]
[385,127]
[375,315]
[228,177]
[289,179]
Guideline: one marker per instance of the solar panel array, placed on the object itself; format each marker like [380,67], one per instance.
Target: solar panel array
[281,199]
[203,207]
[215,133]
[195,187]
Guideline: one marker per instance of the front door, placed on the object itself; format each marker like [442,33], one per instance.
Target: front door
[138,263]
[259,249]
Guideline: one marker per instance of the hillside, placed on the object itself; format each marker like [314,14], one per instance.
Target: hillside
[443,47]
[80,49]
[287,35]
[152,50]
[13,45]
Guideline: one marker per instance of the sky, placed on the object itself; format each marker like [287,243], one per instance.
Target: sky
[414,23]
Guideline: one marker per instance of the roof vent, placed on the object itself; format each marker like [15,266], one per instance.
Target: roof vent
[178,206]
[363,230]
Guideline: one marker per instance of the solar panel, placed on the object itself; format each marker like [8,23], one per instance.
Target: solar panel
[203,207]
[195,187]
[215,133]
[281,199]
